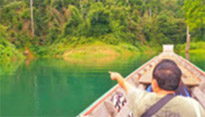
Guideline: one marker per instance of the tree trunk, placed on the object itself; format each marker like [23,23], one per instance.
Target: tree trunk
[187,56]
[32,23]
[150,12]
[187,40]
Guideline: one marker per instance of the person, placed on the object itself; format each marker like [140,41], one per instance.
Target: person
[166,78]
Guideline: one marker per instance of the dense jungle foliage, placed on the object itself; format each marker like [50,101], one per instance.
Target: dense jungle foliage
[60,24]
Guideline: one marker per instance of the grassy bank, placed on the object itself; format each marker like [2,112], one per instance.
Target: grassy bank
[195,47]
[95,49]
[99,49]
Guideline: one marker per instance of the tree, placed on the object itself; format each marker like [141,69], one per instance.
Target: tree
[194,17]
[194,13]
[32,23]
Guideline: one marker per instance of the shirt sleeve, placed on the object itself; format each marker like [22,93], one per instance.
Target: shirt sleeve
[134,96]
[199,110]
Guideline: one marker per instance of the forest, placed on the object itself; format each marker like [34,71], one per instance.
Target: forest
[49,28]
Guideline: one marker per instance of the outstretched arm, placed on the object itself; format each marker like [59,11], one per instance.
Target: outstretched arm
[121,81]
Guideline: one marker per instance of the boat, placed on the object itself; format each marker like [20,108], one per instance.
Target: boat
[114,102]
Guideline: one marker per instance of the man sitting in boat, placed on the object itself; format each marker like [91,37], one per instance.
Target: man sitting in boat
[162,102]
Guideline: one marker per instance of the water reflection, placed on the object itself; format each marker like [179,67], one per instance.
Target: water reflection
[9,67]
[36,97]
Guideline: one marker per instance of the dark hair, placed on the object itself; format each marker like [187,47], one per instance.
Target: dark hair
[167,74]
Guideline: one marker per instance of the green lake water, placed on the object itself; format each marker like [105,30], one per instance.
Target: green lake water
[53,87]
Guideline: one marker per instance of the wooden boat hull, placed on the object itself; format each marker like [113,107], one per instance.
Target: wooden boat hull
[113,102]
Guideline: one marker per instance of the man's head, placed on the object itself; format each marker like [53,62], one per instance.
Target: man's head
[167,75]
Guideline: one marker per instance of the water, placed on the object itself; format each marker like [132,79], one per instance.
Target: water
[61,88]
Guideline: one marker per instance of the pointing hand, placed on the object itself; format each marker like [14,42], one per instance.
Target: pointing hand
[114,75]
